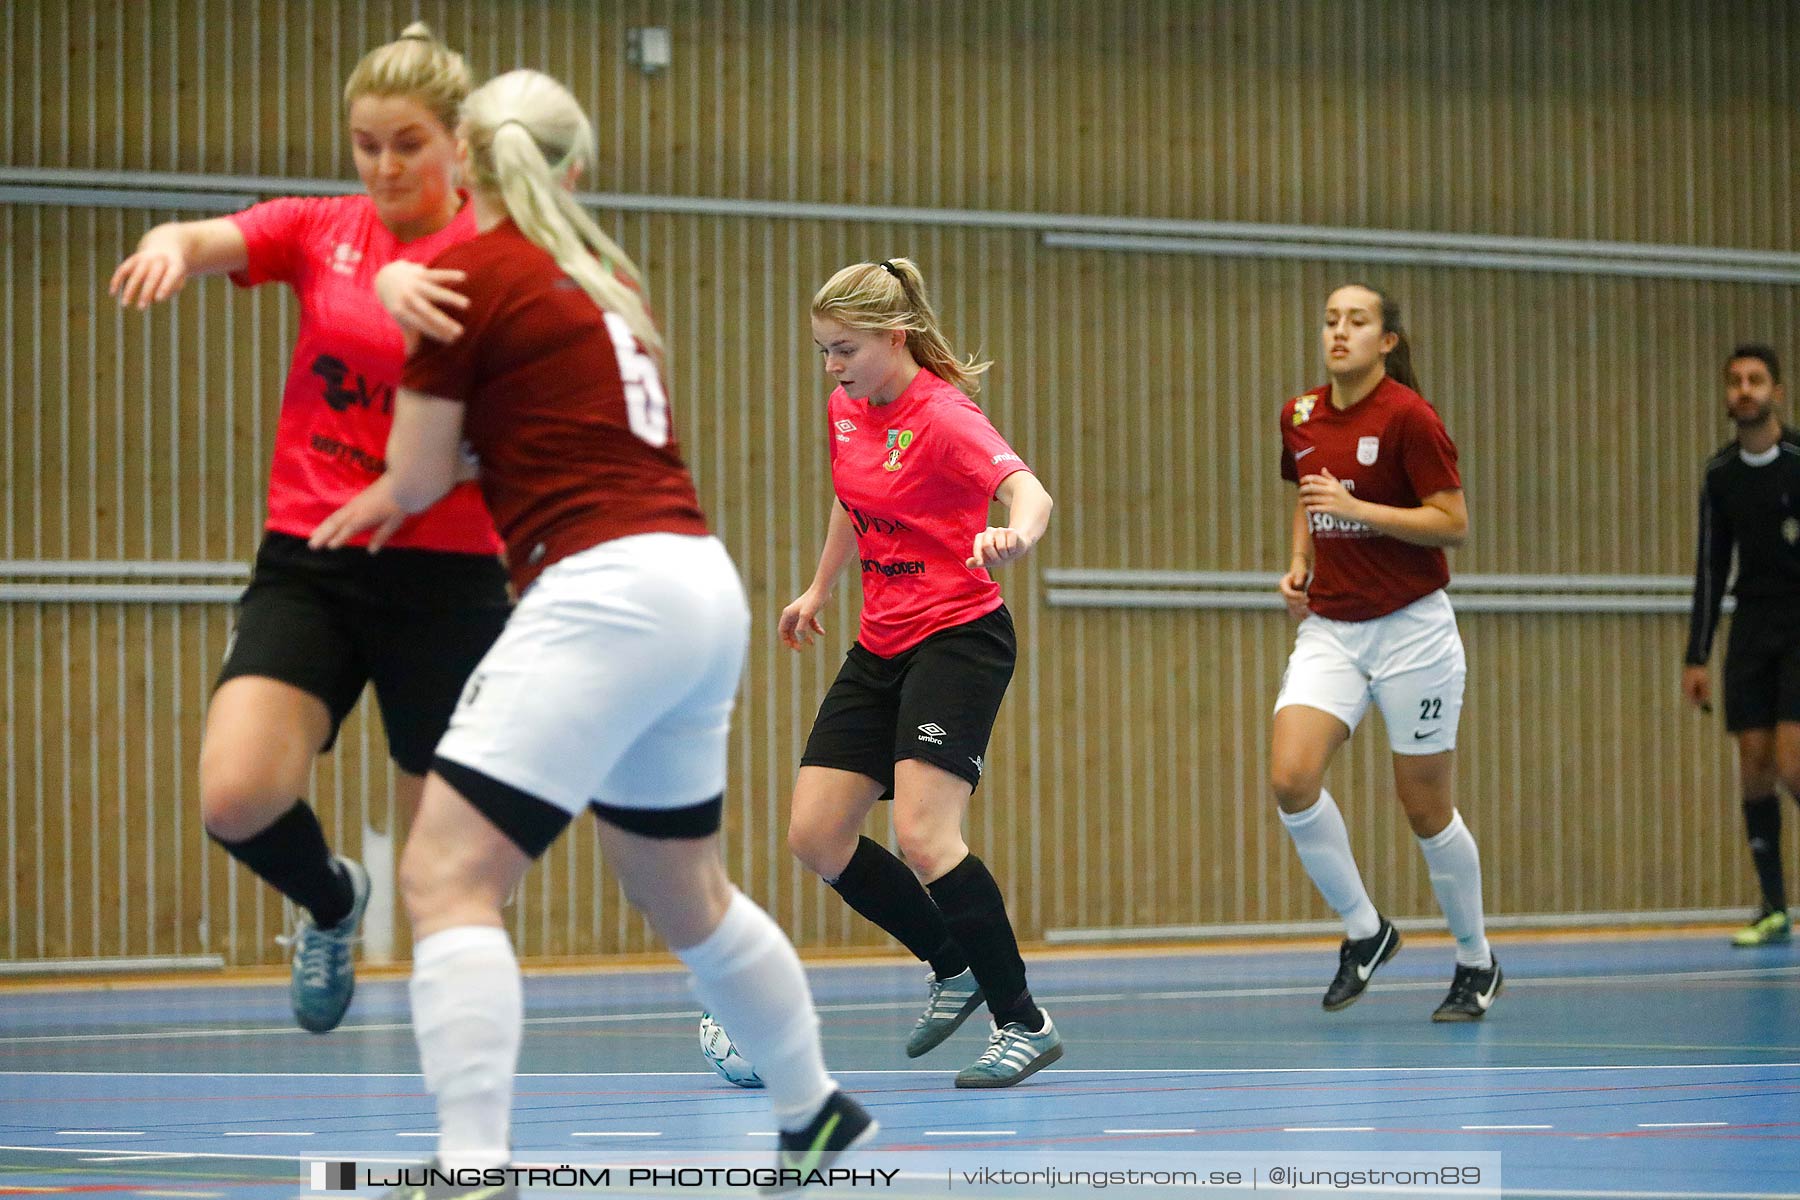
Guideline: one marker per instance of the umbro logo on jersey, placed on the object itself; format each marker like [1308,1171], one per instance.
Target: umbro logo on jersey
[931,732]
[845,426]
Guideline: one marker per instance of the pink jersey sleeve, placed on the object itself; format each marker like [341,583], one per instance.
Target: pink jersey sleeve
[274,236]
[1428,453]
[975,449]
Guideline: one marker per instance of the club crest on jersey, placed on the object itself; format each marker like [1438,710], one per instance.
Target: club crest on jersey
[1303,408]
[344,258]
[897,442]
[1367,449]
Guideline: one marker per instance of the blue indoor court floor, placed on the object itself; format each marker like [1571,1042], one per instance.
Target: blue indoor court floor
[1647,1065]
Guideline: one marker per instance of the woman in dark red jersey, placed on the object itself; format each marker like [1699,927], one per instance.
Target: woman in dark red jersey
[612,685]
[314,628]
[1380,498]
[915,465]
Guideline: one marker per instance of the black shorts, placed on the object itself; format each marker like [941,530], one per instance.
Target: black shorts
[935,702]
[413,622]
[1762,666]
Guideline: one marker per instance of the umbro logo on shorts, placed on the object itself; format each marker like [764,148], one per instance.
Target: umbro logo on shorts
[931,732]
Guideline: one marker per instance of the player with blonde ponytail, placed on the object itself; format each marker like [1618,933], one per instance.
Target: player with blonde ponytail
[612,686]
[915,465]
[527,139]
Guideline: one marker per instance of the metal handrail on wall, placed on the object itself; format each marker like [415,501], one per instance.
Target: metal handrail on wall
[163,189]
[1087,587]
[139,581]
[1068,587]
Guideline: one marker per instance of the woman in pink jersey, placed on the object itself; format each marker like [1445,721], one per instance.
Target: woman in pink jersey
[1380,498]
[314,628]
[915,465]
[612,687]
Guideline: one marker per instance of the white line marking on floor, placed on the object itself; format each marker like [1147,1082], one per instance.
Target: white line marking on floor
[132,1157]
[762,1133]
[620,1133]
[1509,1127]
[1149,1131]
[1329,1129]
[99,1133]
[364,1157]
[265,1133]
[971,1132]
[1683,1124]
[429,1135]
[908,1005]
[1468,1068]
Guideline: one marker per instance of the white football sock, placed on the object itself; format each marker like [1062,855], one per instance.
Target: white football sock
[1455,865]
[1324,845]
[468,1017]
[747,975]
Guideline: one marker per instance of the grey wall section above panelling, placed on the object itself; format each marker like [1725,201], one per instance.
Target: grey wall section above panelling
[1619,120]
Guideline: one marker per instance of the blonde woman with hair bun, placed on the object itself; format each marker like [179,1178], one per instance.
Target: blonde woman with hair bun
[314,628]
[915,466]
[613,684]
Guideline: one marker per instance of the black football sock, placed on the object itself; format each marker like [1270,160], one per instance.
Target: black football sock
[1762,822]
[882,888]
[976,914]
[292,857]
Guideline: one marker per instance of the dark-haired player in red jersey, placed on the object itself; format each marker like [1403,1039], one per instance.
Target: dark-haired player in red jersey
[1380,498]
[314,628]
[916,465]
[612,685]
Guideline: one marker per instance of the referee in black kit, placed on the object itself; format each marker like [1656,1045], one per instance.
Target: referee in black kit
[1750,499]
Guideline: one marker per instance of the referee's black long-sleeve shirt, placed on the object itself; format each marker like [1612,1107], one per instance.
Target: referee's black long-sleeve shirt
[1755,508]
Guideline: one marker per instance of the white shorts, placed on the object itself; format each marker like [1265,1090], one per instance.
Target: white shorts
[614,680]
[1409,662]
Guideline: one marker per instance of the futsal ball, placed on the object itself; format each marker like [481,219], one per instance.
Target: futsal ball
[716,1044]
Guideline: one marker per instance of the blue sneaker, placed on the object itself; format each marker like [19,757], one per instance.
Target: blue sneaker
[949,1005]
[324,973]
[1013,1054]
